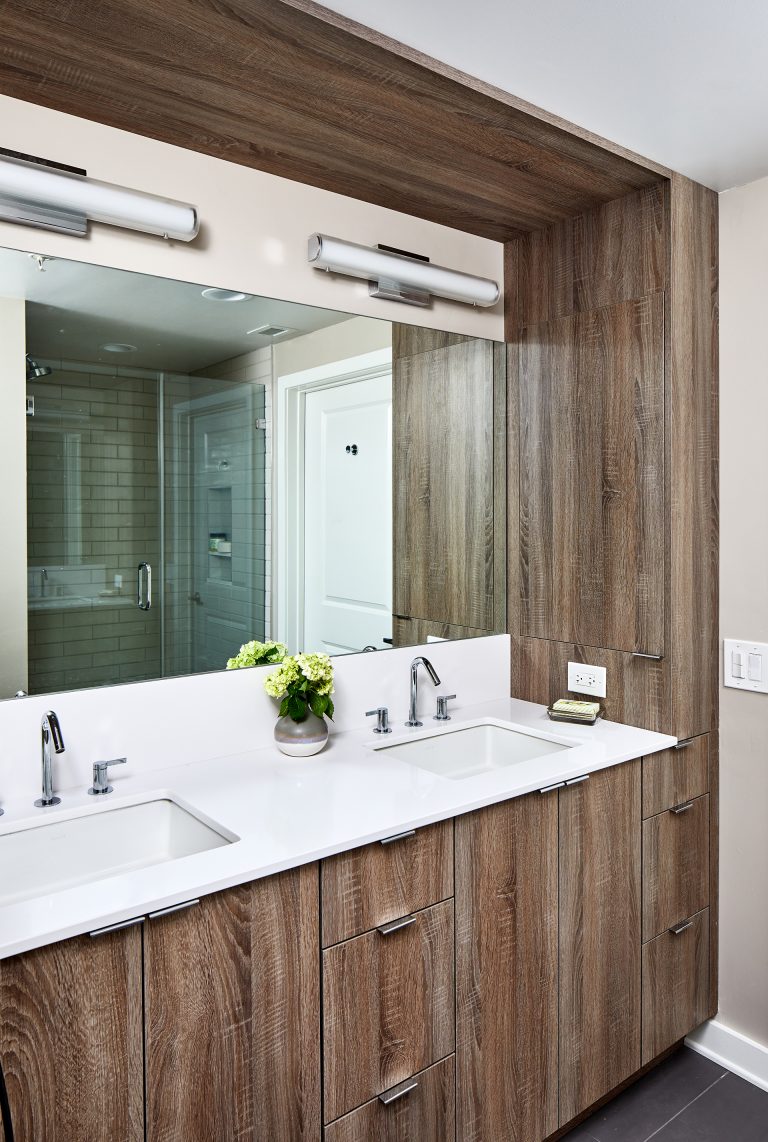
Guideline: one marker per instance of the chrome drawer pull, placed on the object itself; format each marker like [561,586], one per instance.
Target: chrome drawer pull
[396,1092]
[681,927]
[116,927]
[678,809]
[173,908]
[578,780]
[395,925]
[684,743]
[398,837]
[652,657]
[550,788]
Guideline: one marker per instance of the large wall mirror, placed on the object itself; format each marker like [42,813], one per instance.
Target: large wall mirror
[205,467]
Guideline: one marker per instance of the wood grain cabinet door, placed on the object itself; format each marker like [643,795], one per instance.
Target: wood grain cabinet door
[675,984]
[592,549]
[363,888]
[600,935]
[71,1040]
[233,1015]
[446,450]
[388,1007]
[421,1110]
[506,971]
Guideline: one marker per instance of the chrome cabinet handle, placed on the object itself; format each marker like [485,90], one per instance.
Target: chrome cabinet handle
[578,780]
[396,1092]
[652,657]
[173,908]
[684,743]
[144,586]
[396,925]
[117,927]
[678,809]
[551,788]
[398,837]
[676,929]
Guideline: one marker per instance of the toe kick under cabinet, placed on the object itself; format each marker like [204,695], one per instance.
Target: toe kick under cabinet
[483,979]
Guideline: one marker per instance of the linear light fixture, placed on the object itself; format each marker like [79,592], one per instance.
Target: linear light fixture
[51,196]
[398,275]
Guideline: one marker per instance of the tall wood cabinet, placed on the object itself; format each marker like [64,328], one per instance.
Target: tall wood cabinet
[449,481]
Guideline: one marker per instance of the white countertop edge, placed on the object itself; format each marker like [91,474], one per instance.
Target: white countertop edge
[343,769]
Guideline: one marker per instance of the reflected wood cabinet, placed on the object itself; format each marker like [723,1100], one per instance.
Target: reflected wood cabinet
[449,485]
[486,977]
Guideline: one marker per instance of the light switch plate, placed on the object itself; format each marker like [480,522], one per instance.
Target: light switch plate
[745,664]
[586,679]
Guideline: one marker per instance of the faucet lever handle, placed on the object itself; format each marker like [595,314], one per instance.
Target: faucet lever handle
[382,719]
[442,714]
[101,776]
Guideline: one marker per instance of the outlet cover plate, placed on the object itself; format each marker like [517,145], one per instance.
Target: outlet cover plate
[586,679]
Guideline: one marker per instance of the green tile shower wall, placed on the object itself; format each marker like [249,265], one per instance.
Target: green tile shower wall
[116,418]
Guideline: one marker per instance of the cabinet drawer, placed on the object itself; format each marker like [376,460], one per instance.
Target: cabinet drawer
[675,984]
[379,882]
[675,866]
[388,1008]
[675,775]
[425,1113]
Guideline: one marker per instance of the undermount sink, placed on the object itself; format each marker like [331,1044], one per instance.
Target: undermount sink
[467,751]
[61,854]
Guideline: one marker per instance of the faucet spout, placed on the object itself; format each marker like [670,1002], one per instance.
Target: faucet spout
[51,736]
[413,719]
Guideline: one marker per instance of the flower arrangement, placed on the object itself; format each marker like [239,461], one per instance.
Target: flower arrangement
[302,682]
[257,654]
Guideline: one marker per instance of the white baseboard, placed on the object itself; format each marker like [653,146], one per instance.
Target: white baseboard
[732,1050]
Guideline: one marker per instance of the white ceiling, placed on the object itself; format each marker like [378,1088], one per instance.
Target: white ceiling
[73,308]
[683,82]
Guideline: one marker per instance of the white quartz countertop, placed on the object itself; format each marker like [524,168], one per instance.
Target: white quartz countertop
[287,812]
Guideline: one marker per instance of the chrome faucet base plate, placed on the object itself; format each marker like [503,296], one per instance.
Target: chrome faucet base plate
[41,804]
[378,731]
[100,792]
[414,725]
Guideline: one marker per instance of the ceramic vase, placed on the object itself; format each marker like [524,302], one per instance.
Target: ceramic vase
[301,739]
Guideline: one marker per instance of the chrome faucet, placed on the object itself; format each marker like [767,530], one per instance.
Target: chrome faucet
[417,662]
[51,735]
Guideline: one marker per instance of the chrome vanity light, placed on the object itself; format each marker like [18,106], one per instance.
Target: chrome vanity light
[53,196]
[398,275]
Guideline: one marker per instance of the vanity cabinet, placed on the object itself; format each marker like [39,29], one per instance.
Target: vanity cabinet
[600,935]
[232,1015]
[216,1006]
[506,971]
[449,486]
[71,1040]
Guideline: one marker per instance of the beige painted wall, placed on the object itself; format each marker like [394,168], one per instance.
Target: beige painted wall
[744,607]
[13,497]
[336,343]
[254,225]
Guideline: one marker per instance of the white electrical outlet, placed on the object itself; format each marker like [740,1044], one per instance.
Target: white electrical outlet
[586,679]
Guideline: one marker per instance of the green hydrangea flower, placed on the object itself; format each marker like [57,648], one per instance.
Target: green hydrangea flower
[257,654]
[302,682]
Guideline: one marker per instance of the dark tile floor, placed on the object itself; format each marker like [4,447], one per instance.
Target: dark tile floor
[685,1099]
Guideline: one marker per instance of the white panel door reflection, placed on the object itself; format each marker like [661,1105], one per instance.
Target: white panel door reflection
[348,517]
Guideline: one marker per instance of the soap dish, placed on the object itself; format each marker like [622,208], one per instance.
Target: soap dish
[572,714]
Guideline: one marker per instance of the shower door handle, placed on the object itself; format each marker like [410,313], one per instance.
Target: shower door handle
[144,586]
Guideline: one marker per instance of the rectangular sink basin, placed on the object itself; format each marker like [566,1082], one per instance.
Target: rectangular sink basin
[471,750]
[62,854]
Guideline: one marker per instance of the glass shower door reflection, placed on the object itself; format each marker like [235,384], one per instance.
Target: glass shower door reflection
[215,550]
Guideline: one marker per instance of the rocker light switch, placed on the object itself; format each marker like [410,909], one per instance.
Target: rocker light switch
[745,665]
